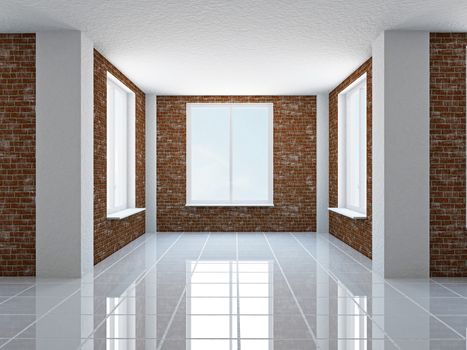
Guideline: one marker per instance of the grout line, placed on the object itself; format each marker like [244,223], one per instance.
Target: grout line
[243,314]
[61,302]
[331,274]
[145,273]
[17,294]
[121,258]
[239,343]
[405,295]
[449,289]
[181,298]
[313,336]
[145,240]
[65,299]
[39,318]
[137,280]
[397,289]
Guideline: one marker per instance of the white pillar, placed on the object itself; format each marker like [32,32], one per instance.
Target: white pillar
[401,154]
[151,163]
[322,163]
[64,154]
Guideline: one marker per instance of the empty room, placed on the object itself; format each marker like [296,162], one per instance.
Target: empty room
[233,175]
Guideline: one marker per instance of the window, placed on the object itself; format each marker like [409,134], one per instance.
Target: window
[229,154]
[352,147]
[120,146]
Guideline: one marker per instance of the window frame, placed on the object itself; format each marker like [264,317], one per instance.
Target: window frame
[231,203]
[130,148]
[343,147]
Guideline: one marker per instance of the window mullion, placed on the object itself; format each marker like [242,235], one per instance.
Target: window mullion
[230,155]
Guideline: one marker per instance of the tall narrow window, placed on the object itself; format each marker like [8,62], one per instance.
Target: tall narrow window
[120,146]
[352,147]
[229,154]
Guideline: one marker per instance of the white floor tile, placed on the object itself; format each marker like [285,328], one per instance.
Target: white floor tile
[218,290]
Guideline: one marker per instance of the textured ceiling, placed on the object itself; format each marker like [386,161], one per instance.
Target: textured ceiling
[234,47]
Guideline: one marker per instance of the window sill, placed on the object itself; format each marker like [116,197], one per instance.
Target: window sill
[229,205]
[122,214]
[349,213]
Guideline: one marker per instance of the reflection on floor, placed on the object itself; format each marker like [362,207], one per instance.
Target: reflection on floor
[200,291]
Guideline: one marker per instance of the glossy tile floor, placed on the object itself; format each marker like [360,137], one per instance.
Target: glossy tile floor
[233,291]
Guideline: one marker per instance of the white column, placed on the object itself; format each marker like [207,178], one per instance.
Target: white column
[401,154]
[64,154]
[151,163]
[322,163]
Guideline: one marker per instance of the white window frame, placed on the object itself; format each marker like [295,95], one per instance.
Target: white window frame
[343,150]
[264,203]
[112,84]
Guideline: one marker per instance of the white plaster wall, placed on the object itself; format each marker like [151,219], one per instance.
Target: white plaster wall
[378,155]
[151,163]
[64,178]
[87,154]
[322,163]
[401,158]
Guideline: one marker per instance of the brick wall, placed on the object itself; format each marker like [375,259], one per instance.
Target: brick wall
[17,154]
[111,235]
[448,241]
[356,233]
[294,170]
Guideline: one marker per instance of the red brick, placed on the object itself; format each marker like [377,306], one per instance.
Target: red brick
[17,154]
[448,234]
[111,235]
[294,170]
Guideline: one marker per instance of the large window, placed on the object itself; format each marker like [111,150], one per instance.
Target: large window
[352,147]
[229,154]
[120,146]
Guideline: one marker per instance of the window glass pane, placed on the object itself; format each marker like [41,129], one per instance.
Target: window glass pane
[250,153]
[110,147]
[353,148]
[120,148]
[210,176]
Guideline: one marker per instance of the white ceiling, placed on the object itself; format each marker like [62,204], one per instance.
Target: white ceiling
[234,47]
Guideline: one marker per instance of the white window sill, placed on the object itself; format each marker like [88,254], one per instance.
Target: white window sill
[229,205]
[122,214]
[349,213]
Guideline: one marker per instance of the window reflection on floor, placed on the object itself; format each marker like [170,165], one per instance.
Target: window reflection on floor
[122,324]
[352,320]
[228,301]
